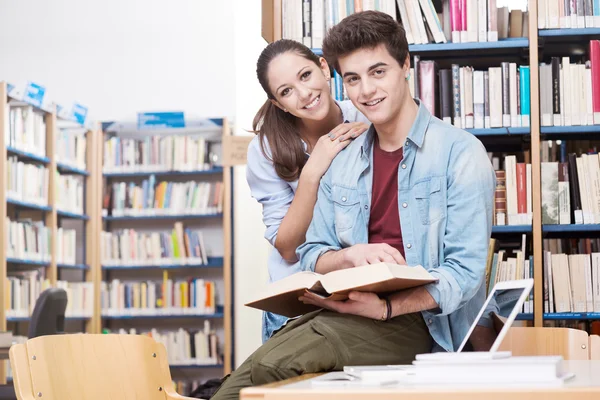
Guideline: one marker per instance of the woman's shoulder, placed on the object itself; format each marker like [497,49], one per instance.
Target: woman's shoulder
[351,113]
[258,152]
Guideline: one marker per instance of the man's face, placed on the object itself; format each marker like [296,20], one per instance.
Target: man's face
[375,83]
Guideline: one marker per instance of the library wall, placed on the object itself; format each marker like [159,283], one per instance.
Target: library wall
[114,56]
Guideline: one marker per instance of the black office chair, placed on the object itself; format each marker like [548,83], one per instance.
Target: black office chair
[48,318]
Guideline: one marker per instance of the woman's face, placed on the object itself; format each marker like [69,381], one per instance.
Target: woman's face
[300,86]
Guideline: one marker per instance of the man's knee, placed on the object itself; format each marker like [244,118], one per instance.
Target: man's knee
[265,368]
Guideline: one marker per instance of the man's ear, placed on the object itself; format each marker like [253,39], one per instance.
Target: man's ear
[406,66]
[276,104]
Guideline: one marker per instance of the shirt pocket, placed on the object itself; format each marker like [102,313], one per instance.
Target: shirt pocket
[346,204]
[430,200]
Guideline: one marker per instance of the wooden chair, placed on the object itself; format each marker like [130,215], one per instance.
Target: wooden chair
[92,367]
[594,347]
[572,344]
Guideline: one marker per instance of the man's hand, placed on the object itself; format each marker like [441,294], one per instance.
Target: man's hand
[363,304]
[363,254]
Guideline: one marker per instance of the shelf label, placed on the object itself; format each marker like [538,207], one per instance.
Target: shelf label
[79,113]
[34,94]
[235,150]
[160,120]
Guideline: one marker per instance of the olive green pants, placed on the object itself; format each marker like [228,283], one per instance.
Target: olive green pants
[327,341]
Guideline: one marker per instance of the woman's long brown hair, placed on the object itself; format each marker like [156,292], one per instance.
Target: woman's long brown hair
[279,128]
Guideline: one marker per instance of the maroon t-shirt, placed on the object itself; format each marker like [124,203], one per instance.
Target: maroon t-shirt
[384,222]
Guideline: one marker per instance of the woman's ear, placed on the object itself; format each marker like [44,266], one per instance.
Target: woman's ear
[276,104]
[325,68]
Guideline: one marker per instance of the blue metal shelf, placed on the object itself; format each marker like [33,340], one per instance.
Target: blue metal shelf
[170,316]
[27,262]
[500,131]
[154,217]
[73,266]
[25,204]
[545,130]
[66,214]
[201,366]
[29,156]
[524,317]
[66,169]
[568,32]
[212,171]
[571,228]
[26,319]
[511,229]
[565,316]
[213,262]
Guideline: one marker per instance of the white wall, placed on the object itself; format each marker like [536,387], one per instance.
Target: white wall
[119,57]
[251,249]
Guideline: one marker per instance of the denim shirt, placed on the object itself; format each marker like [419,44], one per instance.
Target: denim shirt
[276,195]
[446,187]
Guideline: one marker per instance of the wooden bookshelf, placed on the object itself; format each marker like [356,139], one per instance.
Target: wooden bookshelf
[49,215]
[219,266]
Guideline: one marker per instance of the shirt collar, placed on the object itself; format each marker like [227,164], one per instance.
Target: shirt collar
[415,135]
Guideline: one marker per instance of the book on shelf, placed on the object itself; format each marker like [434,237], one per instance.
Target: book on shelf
[25,129]
[160,153]
[561,14]
[80,297]
[26,182]
[69,193]
[571,276]
[190,296]
[494,98]
[66,246]
[71,149]
[281,297]
[513,194]
[164,198]
[27,240]
[425,21]
[185,346]
[181,245]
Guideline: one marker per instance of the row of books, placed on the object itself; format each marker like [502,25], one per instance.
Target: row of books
[27,240]
[190,296]
[570,93]
[560,14]
[25,129]
[509,264]
[66,246]
[69,193]
[466,98]
[571,282]
[26,182]
[130,247]
[513,195]
[570,190]
[22,291]
[157,153]
[186,347]
[71,148]
[164,198]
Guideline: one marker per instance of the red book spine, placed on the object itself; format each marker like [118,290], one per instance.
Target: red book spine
[521,188]
[455,16]
[463,15]
[595,59]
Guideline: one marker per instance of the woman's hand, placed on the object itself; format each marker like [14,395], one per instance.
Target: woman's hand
[328,146]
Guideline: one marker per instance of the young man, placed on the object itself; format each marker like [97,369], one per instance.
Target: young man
[411,188]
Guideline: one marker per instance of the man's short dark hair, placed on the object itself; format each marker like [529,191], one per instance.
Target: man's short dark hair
[366,29]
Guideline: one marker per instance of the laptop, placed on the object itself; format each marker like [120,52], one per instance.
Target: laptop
[508,296]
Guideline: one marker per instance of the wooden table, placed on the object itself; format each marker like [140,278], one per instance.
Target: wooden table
[585,385]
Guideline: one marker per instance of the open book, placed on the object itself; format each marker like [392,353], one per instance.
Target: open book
[281,297]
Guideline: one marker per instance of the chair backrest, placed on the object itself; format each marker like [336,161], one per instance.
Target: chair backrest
[572,344]
[91,367]
[594,347]
[48,317]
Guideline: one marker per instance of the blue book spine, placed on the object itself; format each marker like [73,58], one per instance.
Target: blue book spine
[339,87]
[596,8]
[350,6]
[144,193]
[525,91]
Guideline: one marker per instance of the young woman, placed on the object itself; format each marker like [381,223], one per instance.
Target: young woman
[300,129]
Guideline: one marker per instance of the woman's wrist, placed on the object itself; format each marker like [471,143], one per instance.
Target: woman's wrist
[309,176]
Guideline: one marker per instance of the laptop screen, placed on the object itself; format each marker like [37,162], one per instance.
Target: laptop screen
[496,316]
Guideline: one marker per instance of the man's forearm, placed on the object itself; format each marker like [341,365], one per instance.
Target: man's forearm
[411,300]
[331,261]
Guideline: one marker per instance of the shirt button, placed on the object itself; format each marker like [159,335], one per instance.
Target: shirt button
[409,245]
[404,205]
[406,144]
[343,199]
[430,321]
[403,166]
[366,207]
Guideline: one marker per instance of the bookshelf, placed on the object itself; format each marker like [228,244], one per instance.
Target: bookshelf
[158,221]
[82,267]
